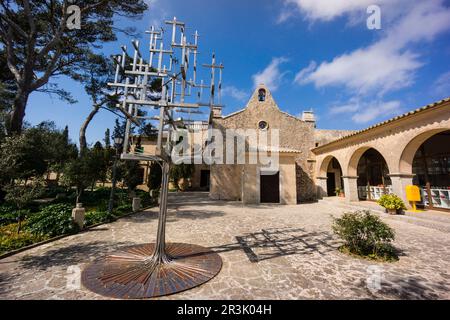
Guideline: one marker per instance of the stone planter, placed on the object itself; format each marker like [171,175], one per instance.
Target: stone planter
[78,214]
[136,205]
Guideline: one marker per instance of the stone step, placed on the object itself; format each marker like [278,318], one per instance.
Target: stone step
[432,221]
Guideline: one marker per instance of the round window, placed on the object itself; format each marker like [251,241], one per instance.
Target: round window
[263,125]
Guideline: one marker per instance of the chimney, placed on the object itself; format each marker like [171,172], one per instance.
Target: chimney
[217,112]
[308,116]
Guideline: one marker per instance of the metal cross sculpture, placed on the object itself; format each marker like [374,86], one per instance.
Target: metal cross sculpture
[156,269]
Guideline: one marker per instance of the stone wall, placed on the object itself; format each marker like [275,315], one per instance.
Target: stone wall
[323,136]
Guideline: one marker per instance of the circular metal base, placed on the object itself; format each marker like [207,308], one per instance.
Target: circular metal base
[132,274]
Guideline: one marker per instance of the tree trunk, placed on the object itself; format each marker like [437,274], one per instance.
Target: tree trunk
[18,112]
[79,192]
[83,143]
[19,226]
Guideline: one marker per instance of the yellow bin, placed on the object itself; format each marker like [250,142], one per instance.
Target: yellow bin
[413,196]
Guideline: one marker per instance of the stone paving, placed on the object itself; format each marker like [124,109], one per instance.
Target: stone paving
[268,252]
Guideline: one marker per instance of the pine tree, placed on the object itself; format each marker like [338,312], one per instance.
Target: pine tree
[107,139]
[66,135]
[40,45]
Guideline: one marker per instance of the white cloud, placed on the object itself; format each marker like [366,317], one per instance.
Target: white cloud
[388,64]
[373,68]
[371,112]
[352,107]
[363,112]
[442,84]
[271,76]
[302,74]
[235,93]
[327,10]
[158,12]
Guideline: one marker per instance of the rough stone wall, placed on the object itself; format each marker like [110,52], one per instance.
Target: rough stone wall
[293,134]
[226,182]
[325,136]
[196,176]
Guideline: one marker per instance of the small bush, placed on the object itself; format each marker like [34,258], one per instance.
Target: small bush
[95,217]
[391,201]
[52,221]
[365,235]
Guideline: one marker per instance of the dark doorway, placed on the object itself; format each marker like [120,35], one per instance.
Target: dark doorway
[331,184]
[373,176]
[431,169]
[270,188]
[205,176]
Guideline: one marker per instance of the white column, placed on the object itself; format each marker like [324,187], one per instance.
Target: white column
[399,183]
[322,189]
[351,188]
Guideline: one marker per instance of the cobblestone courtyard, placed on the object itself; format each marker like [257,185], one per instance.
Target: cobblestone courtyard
[268,252]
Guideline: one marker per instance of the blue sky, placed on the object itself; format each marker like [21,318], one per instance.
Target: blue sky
[313,54]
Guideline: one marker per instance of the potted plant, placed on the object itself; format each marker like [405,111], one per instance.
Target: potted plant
[392,203]
[339,192]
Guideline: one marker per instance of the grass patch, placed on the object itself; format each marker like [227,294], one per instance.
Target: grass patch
[10,240]
[45,221]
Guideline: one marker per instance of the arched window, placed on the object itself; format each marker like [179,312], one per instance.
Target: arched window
[262,95]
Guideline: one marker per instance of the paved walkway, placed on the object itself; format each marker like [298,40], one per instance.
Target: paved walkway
[268,252]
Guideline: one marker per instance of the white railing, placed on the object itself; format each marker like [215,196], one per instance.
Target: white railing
[375,193]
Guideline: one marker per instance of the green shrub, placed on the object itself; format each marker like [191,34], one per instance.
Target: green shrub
[53,190]
[10,240]
[365,235]
[123,209]
[95,217]
[7,215]
[146,200]
[391,201]
[53,220]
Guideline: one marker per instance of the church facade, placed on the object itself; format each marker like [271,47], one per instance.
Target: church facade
[294,181]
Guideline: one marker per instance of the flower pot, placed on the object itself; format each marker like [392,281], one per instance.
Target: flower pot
[392,211]
[342,195]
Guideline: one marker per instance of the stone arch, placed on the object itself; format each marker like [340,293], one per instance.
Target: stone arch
[408,153]
[323,171]
[324,165]
[374,179]
[352,166]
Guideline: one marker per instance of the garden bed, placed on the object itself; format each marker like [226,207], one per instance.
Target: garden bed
[52,221]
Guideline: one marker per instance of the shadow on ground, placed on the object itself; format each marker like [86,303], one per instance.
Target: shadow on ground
[278,242]
[72,254]
[174,214]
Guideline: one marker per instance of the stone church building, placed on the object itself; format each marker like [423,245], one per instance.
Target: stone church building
[294,183]
[413,148]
